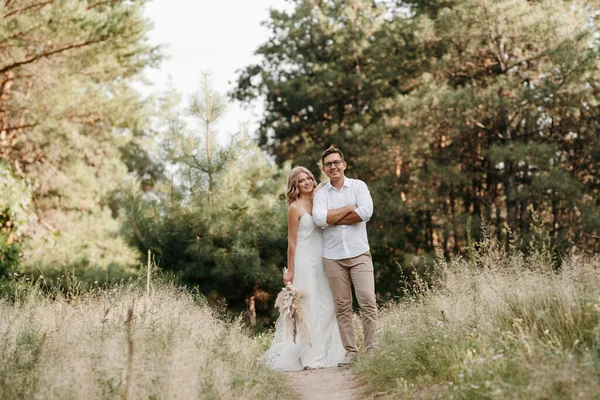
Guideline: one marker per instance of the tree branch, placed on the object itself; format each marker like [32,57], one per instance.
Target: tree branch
[20,10]
[21,33]
[14,128]
[99,3]
[467,163]
[49,54]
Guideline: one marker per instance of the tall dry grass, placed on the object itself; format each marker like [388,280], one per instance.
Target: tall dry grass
[84,347]
[499,325]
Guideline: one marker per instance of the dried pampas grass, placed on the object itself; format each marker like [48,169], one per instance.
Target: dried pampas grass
[292,314]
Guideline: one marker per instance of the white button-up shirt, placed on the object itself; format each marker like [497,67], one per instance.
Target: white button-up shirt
[343,241]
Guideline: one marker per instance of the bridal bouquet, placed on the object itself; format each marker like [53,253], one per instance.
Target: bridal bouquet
[291,312]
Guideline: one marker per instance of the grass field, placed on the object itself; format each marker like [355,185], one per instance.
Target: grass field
[121,343]
[495,325]
[499,325]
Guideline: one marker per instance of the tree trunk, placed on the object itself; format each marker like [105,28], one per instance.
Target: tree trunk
[510,190]
[251,311]
[454,227]
[555,211]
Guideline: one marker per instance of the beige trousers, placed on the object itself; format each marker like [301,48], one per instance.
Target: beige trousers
[357,271]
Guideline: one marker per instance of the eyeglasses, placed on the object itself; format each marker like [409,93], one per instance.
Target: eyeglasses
[337,163]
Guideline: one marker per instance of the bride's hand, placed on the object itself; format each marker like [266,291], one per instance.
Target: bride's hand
[288,278]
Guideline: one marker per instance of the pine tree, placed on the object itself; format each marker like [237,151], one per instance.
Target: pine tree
[318,78]
[68,119]
[219,224]
[466,109]
[502,103]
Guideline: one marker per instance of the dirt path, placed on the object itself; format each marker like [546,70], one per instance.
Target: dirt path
[324,383]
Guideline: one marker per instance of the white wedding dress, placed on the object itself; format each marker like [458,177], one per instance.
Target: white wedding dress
[327,349]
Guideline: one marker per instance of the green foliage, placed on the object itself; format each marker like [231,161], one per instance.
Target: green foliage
[446,110]
[89,243]
[19,374]
[504,101]
[229,244]
[220,224]
[15,201]
[71,126]
[318,77]
[14,217]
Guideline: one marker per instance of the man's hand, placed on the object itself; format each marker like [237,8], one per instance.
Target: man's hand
[336,215]
[350,219]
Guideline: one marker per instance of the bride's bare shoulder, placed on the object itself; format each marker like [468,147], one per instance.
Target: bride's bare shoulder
[294,207]
[295,210]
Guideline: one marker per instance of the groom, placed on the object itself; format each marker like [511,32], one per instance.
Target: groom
[342,208]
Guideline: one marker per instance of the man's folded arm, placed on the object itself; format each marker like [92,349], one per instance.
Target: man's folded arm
[323,217]
[350,219]
[335,216]
[364,202]
[364,209]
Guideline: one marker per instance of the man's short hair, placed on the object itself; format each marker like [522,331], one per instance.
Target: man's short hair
[329,151]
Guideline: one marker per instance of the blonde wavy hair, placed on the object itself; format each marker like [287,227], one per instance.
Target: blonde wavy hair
[292,183]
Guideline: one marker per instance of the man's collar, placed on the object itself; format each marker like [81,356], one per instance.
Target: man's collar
[329,186]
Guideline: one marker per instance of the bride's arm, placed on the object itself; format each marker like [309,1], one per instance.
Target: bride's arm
[293,220]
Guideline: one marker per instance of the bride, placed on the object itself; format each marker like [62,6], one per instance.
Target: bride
[305,271]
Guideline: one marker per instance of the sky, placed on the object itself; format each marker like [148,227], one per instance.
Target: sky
[215,36]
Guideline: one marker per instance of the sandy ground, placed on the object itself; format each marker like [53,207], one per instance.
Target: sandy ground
[324,383]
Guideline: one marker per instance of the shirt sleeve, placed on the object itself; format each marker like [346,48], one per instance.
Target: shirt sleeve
[319,211]
[364,202]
